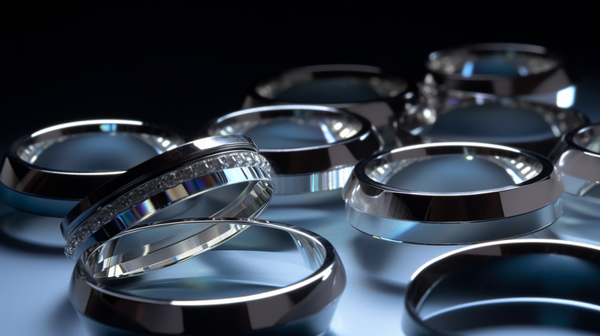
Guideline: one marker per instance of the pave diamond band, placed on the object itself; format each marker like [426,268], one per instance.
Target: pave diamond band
[178,176]
[125,207]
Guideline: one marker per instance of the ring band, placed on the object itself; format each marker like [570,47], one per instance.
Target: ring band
[52,192]
[415,124]
[441,218]
[500,69]
[308,169]
[365,90]
[304,307]
[577,157]
[178,175]
[544,272]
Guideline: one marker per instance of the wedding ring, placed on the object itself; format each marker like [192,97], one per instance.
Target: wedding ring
[39,177]
[577,158]
[500,69]
[173,180]
[496,286]
[533,126]
[365,90]
[453,217]
[319,164]
[276,301]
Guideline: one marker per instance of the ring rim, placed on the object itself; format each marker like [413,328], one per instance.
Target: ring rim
[329,279]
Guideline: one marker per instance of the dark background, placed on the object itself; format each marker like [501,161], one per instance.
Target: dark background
[181,63]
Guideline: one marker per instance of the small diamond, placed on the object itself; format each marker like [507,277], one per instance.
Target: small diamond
[184,174]
[213,165]
[104,216]
[224,161]
[169,180]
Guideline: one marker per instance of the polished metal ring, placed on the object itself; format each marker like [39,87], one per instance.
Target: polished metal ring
[419,217]
[499,69]
[303,307]
[175,177]
[365,90]
[326,166]
[28,185]
[522,282]
[577,158]
[421,123]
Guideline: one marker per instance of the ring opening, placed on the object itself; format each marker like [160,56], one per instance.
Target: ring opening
[466,170]
[589,138]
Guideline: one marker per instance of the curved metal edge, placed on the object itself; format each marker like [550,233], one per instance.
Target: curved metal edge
[369,196]
[36,205]
[428,275]
[277,308]
[38,181]
[429,233]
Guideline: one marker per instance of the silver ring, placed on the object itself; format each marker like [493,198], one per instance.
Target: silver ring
[175,177]
[577,158]
[421,123]
[365,90]
[499,69]
[426,217]
[28,185]
[506,283]
[347,138]
[303,306]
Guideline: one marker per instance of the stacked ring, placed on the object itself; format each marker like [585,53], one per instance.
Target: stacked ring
[365,90]
[319,167]
[425,217]
[53,188]
[175,177]
[303,307]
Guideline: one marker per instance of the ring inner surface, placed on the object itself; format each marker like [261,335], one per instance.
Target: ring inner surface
[288,129]
[541,293]
[502,63]
[467,170]
[97,151]
[331,87]
[490,121]
[589,139]
[255,261]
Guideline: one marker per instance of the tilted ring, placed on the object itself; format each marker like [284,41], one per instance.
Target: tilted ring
[303,307]
[369,91]
[420,217]
[31,187]
[347,138]
[499,69]
[513,283]
[179,175]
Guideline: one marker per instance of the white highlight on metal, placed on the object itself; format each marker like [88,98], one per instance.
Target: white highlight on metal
[565,98]
[98,122]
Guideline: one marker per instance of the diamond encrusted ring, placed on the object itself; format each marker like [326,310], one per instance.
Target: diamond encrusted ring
[235,178]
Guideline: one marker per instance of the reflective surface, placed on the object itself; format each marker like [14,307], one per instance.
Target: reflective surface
[60,165]
[290,284]
[522,283]
[310,148]
[530,201]
[527,125]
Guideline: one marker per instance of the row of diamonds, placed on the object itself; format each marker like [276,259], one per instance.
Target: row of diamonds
[160,184]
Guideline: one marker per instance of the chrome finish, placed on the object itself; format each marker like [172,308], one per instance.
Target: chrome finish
[304,307]
[577,158]
[180,175]
[41,190]
[530,204]
[534,71]
[413,124]
[526,283]
[393,94]
[308,169]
